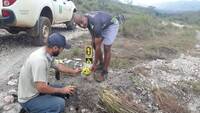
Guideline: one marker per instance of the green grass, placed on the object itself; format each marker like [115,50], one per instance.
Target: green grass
[76,52]
[140,26]
[156,39]
[190,86]
[118,63]
[196,87]
[72,53]
[190,17]
[111,6]
[179,40]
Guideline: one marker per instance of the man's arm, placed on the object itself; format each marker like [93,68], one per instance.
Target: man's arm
[42,87]
[64,69]
[97,41]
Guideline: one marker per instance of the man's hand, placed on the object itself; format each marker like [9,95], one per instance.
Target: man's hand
[64,69]
[77,70]
[42,87]
[68,90]
[93,68]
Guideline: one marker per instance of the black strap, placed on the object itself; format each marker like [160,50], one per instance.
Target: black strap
[121,18]
[104,72]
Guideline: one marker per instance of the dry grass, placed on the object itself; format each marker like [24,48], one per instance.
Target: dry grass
[118,103]
[141,71]
[167,103]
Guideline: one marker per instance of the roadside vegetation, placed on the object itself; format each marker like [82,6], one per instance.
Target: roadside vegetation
[145,30]
[142,38]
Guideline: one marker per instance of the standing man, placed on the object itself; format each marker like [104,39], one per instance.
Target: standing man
[34,93]
[103,28]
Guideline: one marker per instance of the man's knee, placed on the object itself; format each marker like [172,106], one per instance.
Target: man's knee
[60,102]
[107,48]
[46,103]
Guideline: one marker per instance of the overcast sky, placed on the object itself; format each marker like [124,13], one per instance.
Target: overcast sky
[152,2]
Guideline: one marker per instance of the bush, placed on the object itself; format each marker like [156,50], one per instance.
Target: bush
[140,26]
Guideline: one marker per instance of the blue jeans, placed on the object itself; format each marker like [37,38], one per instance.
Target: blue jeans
[45,103]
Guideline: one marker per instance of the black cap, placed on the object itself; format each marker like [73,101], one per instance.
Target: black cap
[57,39]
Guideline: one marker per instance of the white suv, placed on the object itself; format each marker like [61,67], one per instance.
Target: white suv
[35,16]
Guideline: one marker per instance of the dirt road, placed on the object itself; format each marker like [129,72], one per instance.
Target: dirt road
[15,49]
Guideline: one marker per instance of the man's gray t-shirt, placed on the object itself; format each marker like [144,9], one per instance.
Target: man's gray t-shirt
[97,22]
[103,25]
[34,69]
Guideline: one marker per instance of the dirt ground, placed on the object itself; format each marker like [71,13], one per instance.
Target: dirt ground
[159,85]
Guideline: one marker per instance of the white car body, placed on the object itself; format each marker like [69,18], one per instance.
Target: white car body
[35,16]
[27,12]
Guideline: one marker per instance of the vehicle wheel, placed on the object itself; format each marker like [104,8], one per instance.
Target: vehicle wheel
[71,25]
[44,31]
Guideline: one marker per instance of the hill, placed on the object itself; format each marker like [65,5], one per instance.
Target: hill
[179,6]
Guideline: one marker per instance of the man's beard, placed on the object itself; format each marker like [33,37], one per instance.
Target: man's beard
[56,53]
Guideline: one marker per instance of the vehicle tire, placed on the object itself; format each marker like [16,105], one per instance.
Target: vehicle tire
[71,25]
[44,29]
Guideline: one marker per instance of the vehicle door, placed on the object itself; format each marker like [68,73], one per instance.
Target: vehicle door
[58,10]
[68,10]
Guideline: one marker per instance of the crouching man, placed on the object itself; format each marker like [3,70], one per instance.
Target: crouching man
[34,93]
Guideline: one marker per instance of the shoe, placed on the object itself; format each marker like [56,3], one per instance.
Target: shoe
[23,111]
[102,77]
[99,67]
